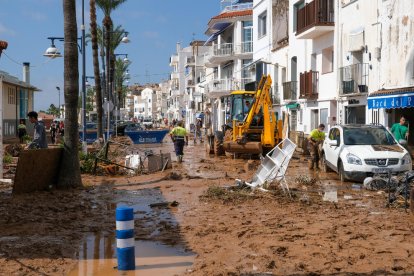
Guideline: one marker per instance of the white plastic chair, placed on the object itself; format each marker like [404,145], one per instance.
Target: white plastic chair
[274,166]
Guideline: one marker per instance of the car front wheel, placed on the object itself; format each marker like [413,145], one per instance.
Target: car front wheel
[341,172]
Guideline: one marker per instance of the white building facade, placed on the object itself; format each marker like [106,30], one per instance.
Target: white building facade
[227,63]
[145,104]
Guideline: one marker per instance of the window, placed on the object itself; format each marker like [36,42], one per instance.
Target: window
[324,117]
[262,24]
[11,96]
[327,60]
[247,39]
[299,5]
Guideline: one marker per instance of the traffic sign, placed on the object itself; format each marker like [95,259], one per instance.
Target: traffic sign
[108,106]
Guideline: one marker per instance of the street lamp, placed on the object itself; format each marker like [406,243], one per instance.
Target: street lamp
[58,89]
[53,52]
[125,60]
[106,35]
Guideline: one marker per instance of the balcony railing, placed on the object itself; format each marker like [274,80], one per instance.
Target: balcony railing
[290,90]
[190,61]
[227,49]
[224,49]
[228,7]
[175,75]
[173,59]
[245,47]
[219,85]
[309,85]
[353,79]
[315,13]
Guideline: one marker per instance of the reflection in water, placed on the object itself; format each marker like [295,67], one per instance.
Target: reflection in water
[97,256]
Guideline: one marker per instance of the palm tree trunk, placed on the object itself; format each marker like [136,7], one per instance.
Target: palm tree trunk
[108,54]
[69,175]
[98,88]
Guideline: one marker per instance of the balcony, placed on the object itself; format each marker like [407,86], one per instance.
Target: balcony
[229,6]
[190,61]
[315,19]
[226,51]
[175,75]
[290,91]
[353,79]
[173,60]
[309,85]
[221,87]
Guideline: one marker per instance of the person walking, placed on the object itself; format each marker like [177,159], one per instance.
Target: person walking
[315,139]
[22,131]
[53,132]
[39,135]
[197,130]
[180,138]
[400,131]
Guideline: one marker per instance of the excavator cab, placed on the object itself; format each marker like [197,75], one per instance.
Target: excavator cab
[241,102]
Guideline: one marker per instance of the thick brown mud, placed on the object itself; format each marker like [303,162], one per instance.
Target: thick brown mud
[324,227]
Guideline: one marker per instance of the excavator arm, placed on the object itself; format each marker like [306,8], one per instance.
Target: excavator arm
[262,101]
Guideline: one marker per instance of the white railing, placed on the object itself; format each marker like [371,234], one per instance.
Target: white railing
[244,47]
[173,59]
[237,7]
[224,49]
[175,75]
[227,84]
[227,49]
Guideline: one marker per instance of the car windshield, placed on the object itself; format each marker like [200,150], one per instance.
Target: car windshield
[367,136]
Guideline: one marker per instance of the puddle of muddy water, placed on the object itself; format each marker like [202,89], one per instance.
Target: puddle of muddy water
[97,253]
[97,256]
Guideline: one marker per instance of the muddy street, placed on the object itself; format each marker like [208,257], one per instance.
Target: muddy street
[187,224]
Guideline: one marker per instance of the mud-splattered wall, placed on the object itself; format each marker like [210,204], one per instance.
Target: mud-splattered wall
[397,53]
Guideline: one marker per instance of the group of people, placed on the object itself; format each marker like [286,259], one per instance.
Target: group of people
[400,131]
[39,136]
[56,128]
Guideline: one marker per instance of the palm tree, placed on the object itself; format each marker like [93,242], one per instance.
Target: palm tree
[69,175]
[121,69]
[107,6]
[98,88]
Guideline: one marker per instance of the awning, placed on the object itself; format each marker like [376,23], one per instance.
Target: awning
[401,100]
[293,106]
[220,28]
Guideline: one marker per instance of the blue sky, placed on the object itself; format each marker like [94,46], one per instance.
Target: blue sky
[154,26]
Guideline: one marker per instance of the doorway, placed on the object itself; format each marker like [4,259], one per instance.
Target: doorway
[314,119]
[355,114]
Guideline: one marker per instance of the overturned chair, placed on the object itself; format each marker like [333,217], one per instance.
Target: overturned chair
[273,167]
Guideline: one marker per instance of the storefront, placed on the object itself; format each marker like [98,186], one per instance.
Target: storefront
[387,106]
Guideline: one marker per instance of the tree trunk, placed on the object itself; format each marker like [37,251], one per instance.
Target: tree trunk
[98,88]
[108,29]
[69,175]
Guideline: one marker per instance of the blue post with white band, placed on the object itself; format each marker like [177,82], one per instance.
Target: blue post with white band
[125,240]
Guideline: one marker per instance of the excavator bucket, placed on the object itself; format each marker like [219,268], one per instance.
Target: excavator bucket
[247,148]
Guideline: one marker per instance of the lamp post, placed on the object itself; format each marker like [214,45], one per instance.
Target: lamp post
[53,52]
[106,35]
[58,89]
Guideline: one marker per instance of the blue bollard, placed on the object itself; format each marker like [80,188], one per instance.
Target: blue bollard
[125,240]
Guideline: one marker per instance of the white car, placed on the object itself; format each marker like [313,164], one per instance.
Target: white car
[359,151]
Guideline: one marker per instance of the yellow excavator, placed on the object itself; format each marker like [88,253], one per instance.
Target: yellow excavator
[254,127]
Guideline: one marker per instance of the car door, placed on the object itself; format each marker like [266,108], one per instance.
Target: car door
[332,152]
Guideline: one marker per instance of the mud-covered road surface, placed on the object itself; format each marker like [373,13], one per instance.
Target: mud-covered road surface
[208,230]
